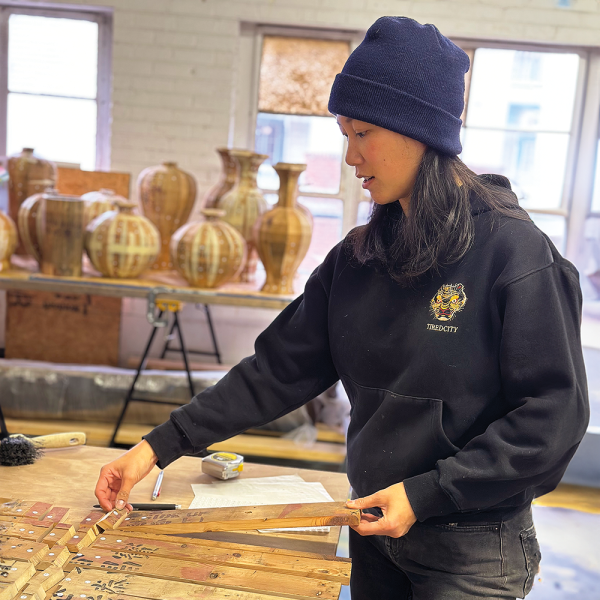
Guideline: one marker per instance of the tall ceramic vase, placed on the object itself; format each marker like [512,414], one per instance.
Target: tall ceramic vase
[208,253]
[283,234]
[167,195]
[8,240]
[120,243]
[244,204]
[226,181]
[28,175]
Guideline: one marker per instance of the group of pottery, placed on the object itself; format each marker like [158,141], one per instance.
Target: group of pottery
[280,236]
[121,243]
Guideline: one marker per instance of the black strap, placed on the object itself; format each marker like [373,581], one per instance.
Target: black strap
[3,430]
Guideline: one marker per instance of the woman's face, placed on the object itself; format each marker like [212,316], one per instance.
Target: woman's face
[387,161]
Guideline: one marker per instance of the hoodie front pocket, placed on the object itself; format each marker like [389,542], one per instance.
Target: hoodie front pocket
[392,437]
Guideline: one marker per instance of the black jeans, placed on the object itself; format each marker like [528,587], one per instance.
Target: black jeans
[452,561]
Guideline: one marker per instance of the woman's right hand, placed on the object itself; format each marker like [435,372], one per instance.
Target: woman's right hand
[118,477]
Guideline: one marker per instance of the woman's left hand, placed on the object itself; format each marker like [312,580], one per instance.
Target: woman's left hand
[398,515]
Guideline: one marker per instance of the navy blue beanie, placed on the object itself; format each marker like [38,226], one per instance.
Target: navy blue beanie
[408,78]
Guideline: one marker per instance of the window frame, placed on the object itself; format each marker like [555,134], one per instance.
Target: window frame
[245,106]
[578,186]
[104,18]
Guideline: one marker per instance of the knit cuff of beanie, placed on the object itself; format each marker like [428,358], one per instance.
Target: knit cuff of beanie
[390,108]
[427,497]
[168,443]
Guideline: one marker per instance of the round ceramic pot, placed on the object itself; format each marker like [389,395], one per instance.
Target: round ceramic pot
[97,203]
[121,244]
[8,240]
[208,253]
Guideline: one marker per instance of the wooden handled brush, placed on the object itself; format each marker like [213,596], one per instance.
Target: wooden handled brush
[17,449]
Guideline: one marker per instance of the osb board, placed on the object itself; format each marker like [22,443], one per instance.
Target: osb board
[77,182]
[70,328]
[64,328]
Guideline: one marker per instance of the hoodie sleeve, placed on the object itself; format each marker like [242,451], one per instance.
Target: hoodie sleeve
[292,364]
[544,385]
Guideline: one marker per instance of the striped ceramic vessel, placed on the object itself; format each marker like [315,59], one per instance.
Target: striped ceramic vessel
[8,240]
[208,253]
[30,225]
[166,195]
[283,234]
[244,204]
[97,203]
[122,244]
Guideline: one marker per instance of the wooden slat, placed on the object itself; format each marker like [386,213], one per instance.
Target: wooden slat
[18,549]
[316,568]
[114,585]
[317,514]
[221,545]
[226,577]
[24,531]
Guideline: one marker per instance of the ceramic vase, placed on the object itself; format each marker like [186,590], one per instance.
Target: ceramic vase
[28,175]
[97,203]
[29,224]
[61,232]
[283,234]
[8,240]
[208,253]
[226,182]
[244,203]
[122,244]
[167,195]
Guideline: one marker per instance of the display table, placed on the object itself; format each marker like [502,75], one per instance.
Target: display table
[67,477]
[167,285]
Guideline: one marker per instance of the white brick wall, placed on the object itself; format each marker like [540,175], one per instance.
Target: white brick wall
[174,62]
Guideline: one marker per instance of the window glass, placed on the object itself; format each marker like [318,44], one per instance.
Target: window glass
[52,84]
[314,141]
[519,119]
[52,56]
[69,136]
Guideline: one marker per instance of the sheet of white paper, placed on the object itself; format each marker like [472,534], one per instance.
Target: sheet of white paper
[285,489]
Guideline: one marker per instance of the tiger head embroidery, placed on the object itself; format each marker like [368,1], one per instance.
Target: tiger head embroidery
[449,300]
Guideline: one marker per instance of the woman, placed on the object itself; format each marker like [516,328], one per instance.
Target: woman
[453,324]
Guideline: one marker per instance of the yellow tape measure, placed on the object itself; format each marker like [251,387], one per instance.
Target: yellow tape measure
[170,305]
[223,465]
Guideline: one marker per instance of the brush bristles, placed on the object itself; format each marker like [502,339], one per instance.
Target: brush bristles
[18,451]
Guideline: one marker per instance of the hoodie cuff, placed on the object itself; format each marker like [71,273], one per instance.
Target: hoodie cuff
[427,497]
[169,443]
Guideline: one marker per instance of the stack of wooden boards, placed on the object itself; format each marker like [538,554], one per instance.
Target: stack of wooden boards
[125,556]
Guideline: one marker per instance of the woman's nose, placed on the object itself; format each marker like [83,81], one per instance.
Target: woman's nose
[353,158]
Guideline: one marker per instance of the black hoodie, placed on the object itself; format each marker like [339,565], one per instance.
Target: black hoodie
[470,387]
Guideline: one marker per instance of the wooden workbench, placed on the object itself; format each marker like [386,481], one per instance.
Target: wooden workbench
[67,477]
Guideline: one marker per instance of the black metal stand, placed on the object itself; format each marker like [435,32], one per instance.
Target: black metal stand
[130,394]
[215,352]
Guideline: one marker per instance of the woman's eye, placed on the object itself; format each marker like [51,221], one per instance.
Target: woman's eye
[360,134]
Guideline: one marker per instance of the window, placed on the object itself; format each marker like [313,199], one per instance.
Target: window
[55,85]
[294,70]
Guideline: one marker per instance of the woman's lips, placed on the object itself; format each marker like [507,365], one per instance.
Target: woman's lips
[367,183]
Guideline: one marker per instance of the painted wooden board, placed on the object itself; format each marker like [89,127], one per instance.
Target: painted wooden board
[234,578]
[317,568]
[23,530]
[44,580]
[18,549]
[111,520]
[81,540]
[61,534]
[242,517]
[20,508]
[103,585]
[56,556]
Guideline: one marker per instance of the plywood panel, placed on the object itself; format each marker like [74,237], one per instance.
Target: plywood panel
[78,182]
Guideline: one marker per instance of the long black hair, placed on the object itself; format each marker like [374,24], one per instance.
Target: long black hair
[439,229]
